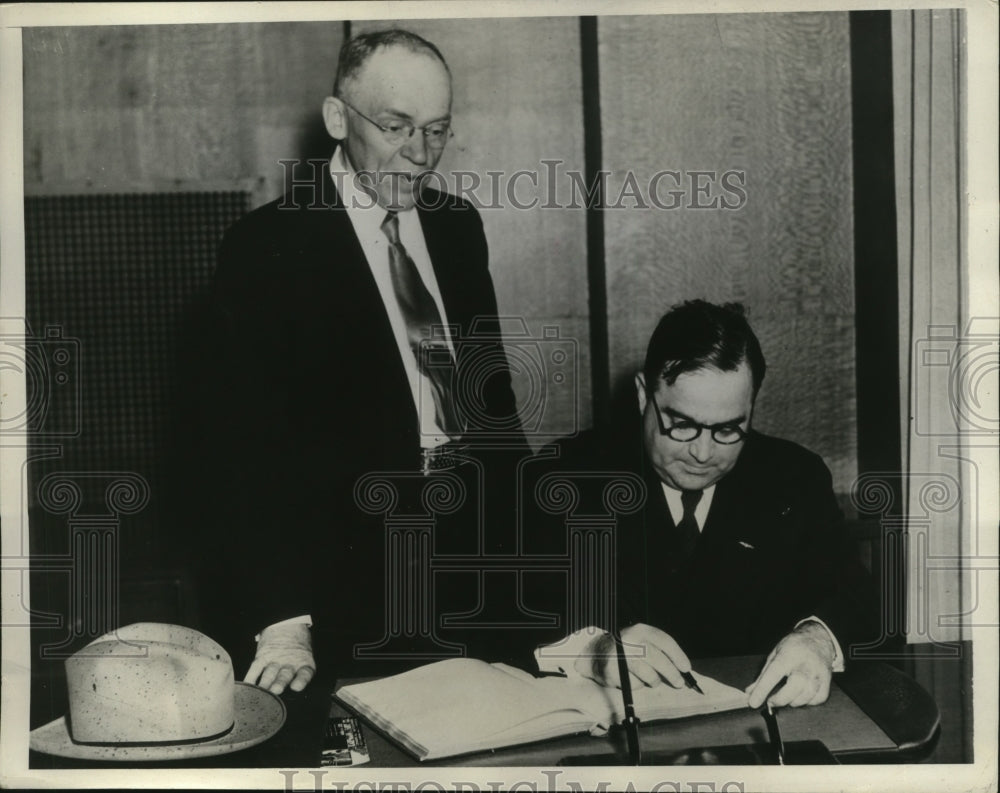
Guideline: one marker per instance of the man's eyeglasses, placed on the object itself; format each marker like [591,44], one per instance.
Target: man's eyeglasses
[685,431]
[396,132]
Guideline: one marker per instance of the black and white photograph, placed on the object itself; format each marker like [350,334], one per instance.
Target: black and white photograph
[500,396]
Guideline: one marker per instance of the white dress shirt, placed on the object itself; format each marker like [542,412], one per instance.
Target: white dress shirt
[366,217]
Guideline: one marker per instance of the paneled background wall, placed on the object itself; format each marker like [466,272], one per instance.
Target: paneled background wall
[214,108]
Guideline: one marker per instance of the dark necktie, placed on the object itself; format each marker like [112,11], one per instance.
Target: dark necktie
[687,529]
[420,314]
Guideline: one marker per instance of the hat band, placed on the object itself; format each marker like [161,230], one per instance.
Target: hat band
[184,742]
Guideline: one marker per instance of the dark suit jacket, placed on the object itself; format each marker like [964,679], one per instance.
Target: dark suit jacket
[774,550]
[306,392]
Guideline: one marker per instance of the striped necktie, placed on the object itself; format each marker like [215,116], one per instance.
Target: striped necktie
[420,314]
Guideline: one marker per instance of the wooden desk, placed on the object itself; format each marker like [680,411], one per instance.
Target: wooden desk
[948,678]
[903,727]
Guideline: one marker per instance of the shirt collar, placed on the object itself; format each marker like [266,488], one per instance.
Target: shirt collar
[708,492]
[676,507]
[363,210]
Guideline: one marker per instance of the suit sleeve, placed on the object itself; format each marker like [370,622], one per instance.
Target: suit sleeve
[252,574]
[844,595]
[484,368]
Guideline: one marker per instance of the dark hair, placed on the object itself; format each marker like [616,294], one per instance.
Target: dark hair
[357,50]
[696,335]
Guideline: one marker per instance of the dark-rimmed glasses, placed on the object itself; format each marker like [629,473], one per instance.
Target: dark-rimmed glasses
[686,431]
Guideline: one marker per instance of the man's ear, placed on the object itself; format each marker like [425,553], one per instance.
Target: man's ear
[640,388]
[335,117]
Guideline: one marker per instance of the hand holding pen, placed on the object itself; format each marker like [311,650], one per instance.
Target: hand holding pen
[653,658]
[804,659]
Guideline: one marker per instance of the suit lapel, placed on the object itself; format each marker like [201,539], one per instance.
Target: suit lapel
[352,300]
[657,510]
[744,508]
[326,221]
[660,534]
[720,520]
[447,260]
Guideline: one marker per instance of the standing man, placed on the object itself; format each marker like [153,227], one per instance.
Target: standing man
[324,304]
[741,546]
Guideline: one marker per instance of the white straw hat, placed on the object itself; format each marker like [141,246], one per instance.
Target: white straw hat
[151,691]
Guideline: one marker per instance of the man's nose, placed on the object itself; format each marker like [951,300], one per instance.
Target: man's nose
[701,447]
[415,149]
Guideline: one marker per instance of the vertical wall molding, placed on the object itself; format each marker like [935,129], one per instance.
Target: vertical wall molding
[596,269]
[875,254]
[876,282]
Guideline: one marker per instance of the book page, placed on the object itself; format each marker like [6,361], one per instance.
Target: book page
[667,702]
[606,706]
[458,705]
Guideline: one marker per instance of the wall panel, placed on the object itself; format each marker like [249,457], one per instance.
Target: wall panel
[147,108]
[767,95]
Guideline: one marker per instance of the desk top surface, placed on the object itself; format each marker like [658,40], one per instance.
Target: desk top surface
[839,723]
[901,718]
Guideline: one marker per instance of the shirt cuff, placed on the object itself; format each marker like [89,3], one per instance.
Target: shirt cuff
[305,619]
[561,656]
[838,656]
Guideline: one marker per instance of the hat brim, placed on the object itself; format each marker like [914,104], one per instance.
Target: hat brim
[258,714]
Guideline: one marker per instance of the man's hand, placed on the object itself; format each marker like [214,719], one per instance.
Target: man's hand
[652,655]
[805,656]
[284,658]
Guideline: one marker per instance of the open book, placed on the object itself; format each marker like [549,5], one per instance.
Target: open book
[463,705]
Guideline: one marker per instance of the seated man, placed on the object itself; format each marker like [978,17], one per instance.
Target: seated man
[740,547]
